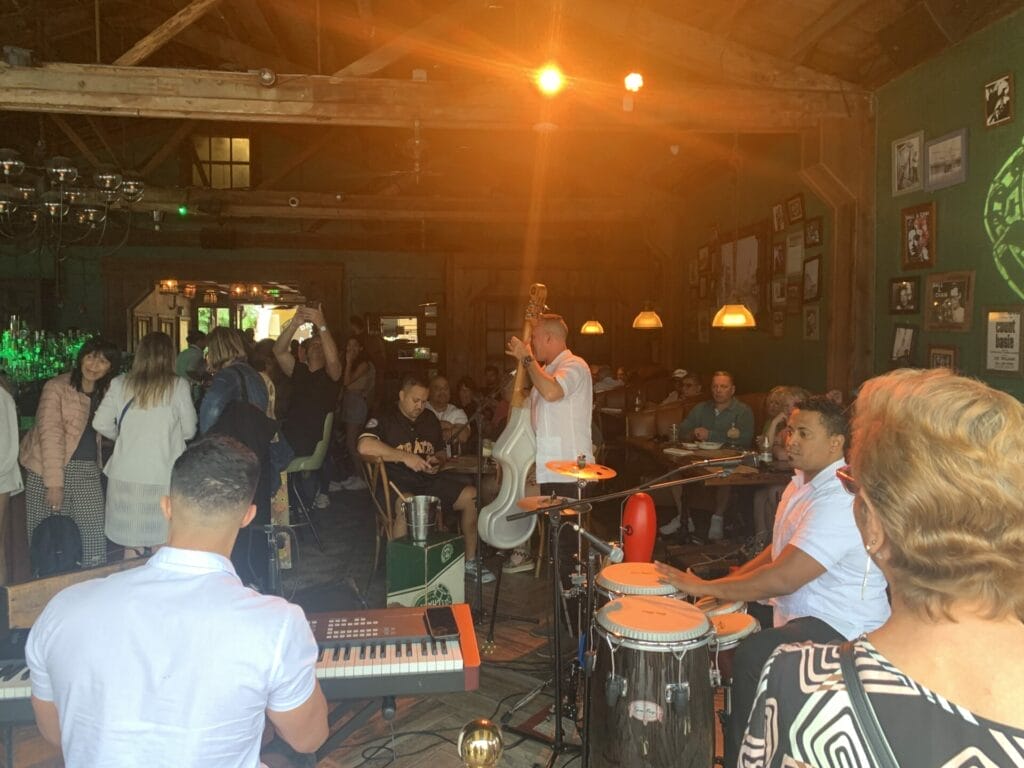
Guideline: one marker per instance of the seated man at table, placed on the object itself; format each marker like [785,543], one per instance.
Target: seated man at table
[453,419]
[685,386]
[407,435]
[815,573]
[722,419]
[175,662]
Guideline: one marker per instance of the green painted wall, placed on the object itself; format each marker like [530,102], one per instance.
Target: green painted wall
[939,97]
[769,175]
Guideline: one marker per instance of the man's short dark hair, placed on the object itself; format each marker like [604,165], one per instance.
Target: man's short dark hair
[413,380]
[195,336]
[833,416]
[215,474]
[732,379]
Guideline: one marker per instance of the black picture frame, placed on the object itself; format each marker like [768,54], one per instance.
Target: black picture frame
[902,350]
[905,295]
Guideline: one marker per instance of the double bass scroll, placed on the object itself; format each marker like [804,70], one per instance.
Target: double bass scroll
[515,451]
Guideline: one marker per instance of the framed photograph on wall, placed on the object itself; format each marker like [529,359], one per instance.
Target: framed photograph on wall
[795,208]
[812,279]
[778,324]
[702,287]
[904,296]
[778,259]
[794,254]
[942,356]
[779,291]
[917,233]
[904,340]
[907,173]
[792,297]
[948,300]
[693,272]
[1002,340]
[946,160]
[812,232]
[703,259]
[811,323]
[999,101]
[778,217]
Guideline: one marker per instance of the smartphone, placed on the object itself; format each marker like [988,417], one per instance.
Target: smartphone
[441,622]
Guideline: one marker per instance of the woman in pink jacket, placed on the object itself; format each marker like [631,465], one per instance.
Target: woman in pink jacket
[61,452]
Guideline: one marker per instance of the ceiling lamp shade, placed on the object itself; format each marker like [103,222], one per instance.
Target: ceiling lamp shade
[648,319]
[592,328]
[734,316]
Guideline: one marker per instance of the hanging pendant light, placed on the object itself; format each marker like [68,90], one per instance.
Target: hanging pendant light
[734,316]
[647,319]
[592,328]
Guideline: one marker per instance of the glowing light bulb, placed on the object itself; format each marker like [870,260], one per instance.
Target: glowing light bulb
[634,81]
[550,79]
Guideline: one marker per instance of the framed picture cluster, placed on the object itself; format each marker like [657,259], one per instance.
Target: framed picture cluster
[940,163]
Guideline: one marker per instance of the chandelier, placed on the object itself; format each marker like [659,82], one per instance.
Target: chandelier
[50,204]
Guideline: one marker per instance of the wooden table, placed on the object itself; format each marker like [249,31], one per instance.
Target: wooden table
[777,473]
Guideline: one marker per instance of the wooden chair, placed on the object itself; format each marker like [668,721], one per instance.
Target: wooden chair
[385,500]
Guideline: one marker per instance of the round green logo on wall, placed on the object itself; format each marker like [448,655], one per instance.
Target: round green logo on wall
[1004,220]
[439,595]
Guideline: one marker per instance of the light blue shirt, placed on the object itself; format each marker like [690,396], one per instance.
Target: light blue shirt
[817,518]
[173,663]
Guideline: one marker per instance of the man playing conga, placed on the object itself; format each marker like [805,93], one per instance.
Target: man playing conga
[815,573]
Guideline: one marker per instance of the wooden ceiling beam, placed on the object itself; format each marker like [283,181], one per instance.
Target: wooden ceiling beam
[77,140]
[165,32]
[320,100]
[101,134]
[429,35]
[691,46]
[269,204]
[835,15]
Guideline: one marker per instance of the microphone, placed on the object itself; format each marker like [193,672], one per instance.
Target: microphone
[610,550]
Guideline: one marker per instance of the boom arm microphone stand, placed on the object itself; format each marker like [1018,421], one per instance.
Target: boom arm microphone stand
[555,522]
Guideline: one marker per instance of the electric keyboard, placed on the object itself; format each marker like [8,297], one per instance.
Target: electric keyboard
[389,652]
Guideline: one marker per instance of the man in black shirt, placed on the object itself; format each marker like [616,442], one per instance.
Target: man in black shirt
[407,435]
[315,384]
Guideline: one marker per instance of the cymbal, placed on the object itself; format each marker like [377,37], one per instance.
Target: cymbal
[586,472]
[533,503]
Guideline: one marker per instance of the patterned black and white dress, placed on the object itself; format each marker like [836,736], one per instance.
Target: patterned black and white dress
[802,717]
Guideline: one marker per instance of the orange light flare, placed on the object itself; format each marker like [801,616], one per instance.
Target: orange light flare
[634,81]
[549,79]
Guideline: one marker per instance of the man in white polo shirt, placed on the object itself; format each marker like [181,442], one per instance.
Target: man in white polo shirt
[175,663]
[815,573]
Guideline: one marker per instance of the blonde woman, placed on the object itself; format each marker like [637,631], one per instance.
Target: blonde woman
[936,475]
[148,412]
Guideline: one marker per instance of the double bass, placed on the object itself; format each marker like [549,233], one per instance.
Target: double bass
[515,451]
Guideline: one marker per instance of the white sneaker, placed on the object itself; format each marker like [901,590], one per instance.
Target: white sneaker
[336,485]
[519,561]
[354,483]
[322,501]
[715,532]
[486,577]
[671,526]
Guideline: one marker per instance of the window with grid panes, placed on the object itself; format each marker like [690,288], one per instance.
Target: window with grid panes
[503,318]
[224,159]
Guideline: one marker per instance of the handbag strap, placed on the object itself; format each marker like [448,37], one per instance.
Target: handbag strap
[120,419]
[241,383]
[863,713]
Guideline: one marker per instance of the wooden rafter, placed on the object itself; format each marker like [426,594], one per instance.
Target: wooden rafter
[165,32]
[835,15]
[77,140]
[204,95]
[172,143]
[253,18]
[430,33]
[694,47]
[101,134]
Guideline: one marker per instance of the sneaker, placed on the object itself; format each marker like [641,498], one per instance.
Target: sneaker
[322,501]
[520,560]
[715,532]
[354,483]
[672,526]
[336,485]
[486,577]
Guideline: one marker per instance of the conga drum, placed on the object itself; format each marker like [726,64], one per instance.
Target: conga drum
[730,631]
[713,606]
[622,579]
[652,696]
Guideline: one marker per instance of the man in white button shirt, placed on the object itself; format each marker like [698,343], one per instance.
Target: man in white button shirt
[175,663]
[815,573]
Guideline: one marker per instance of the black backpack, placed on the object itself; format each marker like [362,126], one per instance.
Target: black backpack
[56,546]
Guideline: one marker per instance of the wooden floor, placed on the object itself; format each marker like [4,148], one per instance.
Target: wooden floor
[424,730]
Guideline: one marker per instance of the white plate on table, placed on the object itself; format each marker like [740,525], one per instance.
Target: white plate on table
[689,446]
[706,446]
[679,452]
